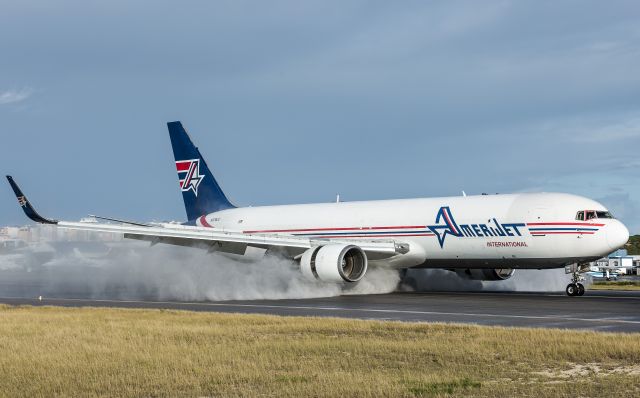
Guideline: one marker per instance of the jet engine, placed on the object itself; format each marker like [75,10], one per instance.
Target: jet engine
[486,274]
[334,263]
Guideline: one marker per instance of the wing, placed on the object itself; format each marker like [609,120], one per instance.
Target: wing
[235,242]
[213,239]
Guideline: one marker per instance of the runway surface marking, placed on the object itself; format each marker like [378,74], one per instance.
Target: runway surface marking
[366,310]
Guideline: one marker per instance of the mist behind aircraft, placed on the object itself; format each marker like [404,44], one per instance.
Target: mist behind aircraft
[135,271]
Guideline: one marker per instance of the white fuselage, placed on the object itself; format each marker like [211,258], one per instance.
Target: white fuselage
[487,231]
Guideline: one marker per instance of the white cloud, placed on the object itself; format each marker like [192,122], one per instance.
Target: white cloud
[12,95]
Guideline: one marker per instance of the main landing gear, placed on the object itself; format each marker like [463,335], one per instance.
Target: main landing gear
[575,288]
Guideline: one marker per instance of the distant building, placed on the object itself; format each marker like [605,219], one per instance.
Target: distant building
[619,262]
[636,263]
[9,244]
[50,233]
[9,232]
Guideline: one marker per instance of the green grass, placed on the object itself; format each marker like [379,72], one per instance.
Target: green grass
[52,351]
[438,388]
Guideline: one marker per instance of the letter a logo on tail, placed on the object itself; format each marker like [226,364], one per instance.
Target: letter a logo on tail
[189,175]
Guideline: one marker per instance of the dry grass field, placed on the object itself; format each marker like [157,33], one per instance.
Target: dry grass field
[50,351]
[615,285]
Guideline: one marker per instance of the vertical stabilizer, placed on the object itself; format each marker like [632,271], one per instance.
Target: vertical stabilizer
[200,190]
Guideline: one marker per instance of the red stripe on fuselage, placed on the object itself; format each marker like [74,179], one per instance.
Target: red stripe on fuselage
[335,229]
[204,223]
[562,233]
[366,236]
[565,223]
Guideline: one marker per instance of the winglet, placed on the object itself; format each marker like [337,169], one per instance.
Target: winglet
[26,205]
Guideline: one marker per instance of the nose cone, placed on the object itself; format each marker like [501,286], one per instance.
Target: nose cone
[617,235]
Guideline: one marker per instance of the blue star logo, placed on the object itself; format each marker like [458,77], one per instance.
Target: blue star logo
[445,224]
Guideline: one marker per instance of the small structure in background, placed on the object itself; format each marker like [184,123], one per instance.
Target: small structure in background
[15,237]
[617,263]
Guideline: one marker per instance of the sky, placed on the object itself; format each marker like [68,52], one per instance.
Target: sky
[294,102]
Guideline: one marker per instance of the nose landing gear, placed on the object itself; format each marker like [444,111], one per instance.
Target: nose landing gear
[575,288]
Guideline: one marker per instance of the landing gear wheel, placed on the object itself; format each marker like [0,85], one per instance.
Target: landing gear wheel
[575,288]
[572,289]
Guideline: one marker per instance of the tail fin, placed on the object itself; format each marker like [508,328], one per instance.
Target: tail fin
[200,190]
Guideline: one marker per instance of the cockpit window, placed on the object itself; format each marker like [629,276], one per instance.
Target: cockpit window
[586,215]
[603,214]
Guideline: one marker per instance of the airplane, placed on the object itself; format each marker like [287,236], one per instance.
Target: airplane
[481,237]
[606,274]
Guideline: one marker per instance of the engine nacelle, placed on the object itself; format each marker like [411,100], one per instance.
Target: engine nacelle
[486,274]
[334,263]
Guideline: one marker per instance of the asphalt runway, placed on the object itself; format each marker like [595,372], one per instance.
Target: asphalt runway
[596,310]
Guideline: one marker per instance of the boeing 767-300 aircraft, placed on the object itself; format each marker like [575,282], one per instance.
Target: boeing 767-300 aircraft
[484,237]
